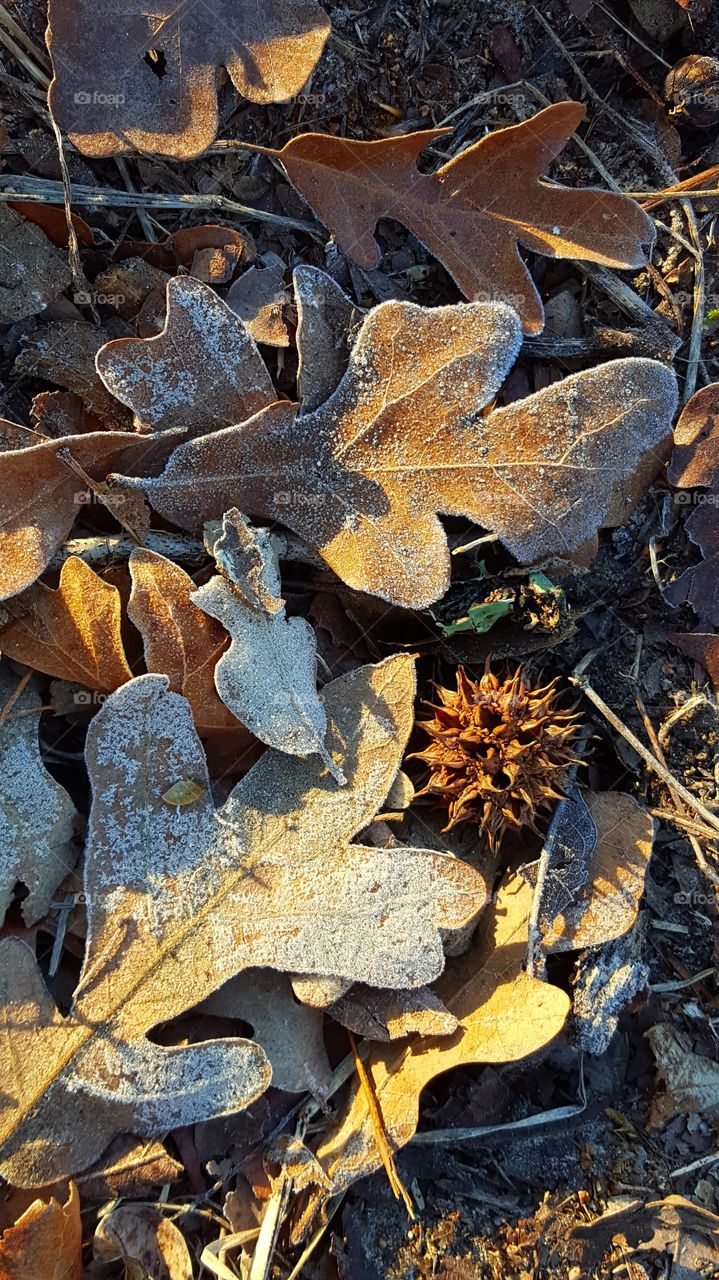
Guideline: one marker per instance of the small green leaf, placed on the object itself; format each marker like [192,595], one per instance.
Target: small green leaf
[183,793]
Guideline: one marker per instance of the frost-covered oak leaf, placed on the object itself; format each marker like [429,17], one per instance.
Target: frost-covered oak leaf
[36,814]
[202,371]
[404,437]
[268,675]
[134,76]
[182,898]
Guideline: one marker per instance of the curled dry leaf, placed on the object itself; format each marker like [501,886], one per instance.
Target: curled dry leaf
[41,496]
[139,77]
[606,979]
[327,324]
[403,437]
[259,298]
[695,460]
[202,370]
[146,1240]
[32,270]
[62,413]
[45,1242]
[503,1016]
[290,1033]
[268,676]
[599,846]
[72,633]
[180,900]
[36,813]
[473,212]
[130,1167]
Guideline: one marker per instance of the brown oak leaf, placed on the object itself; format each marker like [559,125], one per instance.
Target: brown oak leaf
[32,270]
[37,816]
[41,496]
[182,898]
[473,212]
[363,477]
[132,76]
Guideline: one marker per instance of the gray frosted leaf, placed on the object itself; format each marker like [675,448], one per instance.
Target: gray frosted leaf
[36,813]
[268,676]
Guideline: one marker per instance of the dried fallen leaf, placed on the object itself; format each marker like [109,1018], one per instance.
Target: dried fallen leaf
[695,460]
[41,497]
[268,676]
[699,584]
[403,437]
[145,77]
[327,324]
[65,352]
[180,900]
[129,1167]
[390,1015]
[73,632]
[45,1243]
[36,813]
[32,270]
[181,641]
[290,1033]
[259,298]
[62,413]
[691,1080]
[146,1240]
[599,845]
[503,1014]
[52,219]
[202,370]
[474,211]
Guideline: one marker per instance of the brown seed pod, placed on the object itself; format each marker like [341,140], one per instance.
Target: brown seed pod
[692,90]
[498,752]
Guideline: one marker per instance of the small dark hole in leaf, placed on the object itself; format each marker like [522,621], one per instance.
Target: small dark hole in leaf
[155,60]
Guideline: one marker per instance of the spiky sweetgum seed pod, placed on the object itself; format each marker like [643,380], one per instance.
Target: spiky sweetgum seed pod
[498,753]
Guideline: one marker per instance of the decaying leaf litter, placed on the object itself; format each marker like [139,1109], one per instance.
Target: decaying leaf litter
[266,496]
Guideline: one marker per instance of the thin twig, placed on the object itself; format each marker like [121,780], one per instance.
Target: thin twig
[702,862]
[48,191]
[661,771]
[379,1130]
